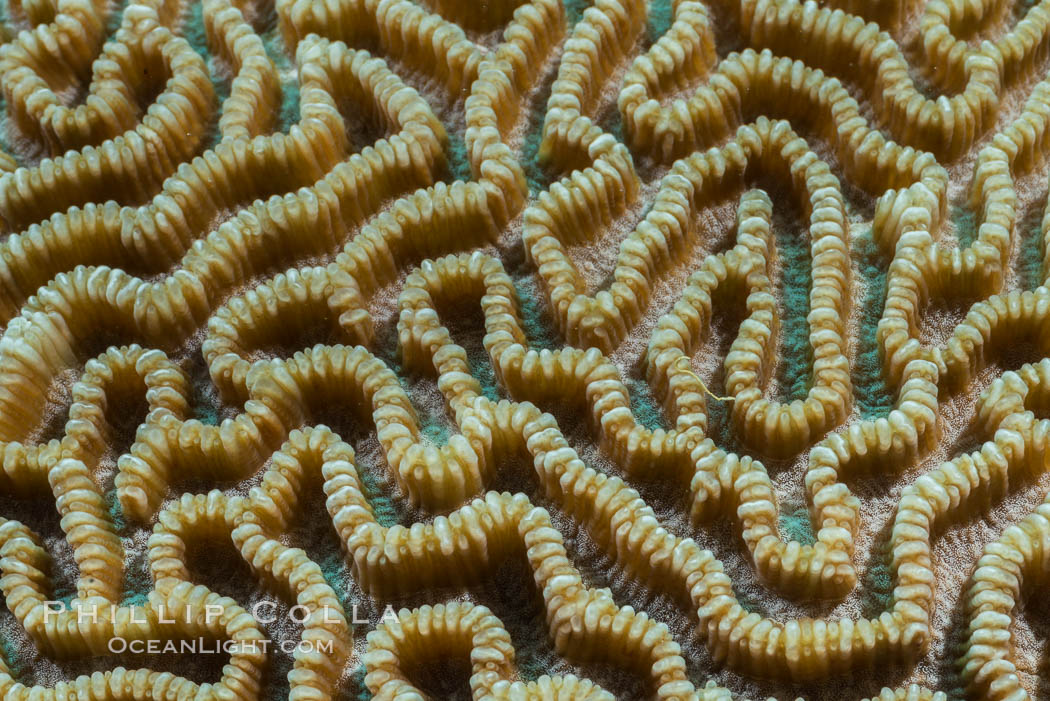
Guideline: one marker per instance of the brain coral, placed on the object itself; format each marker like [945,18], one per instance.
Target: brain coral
[524,349]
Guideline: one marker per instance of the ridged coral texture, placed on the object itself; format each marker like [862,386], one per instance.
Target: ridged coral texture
[643,215]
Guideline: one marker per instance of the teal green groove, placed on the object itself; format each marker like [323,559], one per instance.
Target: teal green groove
[194,33]
[5,125]
[289,111]
[536,175]
[289,115]
[872,396]
[574,10]
[383,506]
[877,581]
[116,16]
[795,370]
[274,46]
[335,573]
[965,220]
[538,329]
[456,155]
[661,15]
[11,656]
[435,431]
[206,414]
[644,406]
[796,526]
[1030,253]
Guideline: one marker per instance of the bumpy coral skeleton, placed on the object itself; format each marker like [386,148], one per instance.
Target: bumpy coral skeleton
[145,210]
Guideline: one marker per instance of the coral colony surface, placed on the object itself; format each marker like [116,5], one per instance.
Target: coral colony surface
[524,349]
